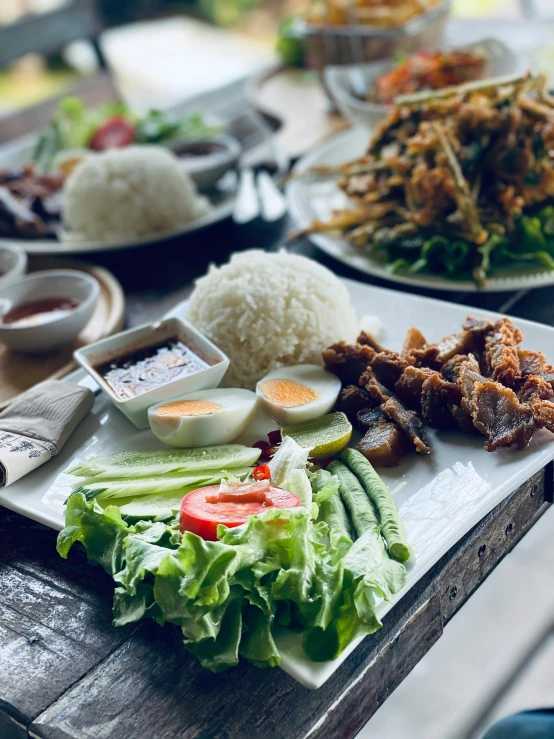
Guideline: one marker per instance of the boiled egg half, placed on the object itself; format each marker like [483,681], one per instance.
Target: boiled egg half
[204,418]
[299,393]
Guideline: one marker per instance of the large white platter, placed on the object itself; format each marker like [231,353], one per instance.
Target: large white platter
[309,200]
[441,496]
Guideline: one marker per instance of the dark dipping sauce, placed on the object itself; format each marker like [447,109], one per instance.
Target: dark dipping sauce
[150,367]
[37,312]
[196,149]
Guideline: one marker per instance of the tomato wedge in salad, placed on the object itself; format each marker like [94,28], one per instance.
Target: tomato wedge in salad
[115,133]
[204,509]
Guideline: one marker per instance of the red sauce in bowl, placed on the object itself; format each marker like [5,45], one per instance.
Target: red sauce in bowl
[36,312]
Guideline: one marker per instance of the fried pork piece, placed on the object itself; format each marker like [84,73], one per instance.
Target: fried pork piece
[366,339]
[414,340]
[388,367]
[534,363]
[377,390]
[409,422]
[438,398]
[383,444]
[352,399]
[448,347]
[501,352]
[468,375]
[368,417]
[348,361]
[408,387]
[535,388]
[426,357]
[543,413]
[477,326]
[499,415]
[451,369]
[531,363]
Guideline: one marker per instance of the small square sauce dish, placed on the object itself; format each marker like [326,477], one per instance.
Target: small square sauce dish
[151,364]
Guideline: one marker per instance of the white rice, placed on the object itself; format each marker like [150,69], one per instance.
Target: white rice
[268,310]
[129,193]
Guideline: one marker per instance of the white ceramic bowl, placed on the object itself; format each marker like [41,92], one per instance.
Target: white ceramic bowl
[13,263]
[151,334]
[206,170]
[54,283]
[349,85]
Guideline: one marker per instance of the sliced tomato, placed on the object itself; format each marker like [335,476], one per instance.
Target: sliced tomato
[230,508]
[114,133]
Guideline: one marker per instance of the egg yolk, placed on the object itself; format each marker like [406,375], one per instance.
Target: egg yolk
[188,408]
[288,393]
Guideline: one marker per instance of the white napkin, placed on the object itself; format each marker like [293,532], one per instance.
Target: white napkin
[37,424]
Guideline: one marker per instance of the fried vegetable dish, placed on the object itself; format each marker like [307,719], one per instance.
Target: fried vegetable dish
[478,381]
[383,13]
[456,182]
[428,71]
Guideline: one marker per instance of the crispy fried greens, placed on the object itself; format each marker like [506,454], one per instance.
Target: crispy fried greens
[457,182]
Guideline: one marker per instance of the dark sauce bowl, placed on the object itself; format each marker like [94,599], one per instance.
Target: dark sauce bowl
[207,160]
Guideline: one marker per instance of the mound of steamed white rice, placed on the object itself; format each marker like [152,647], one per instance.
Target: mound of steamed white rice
[128,193]
[269,310]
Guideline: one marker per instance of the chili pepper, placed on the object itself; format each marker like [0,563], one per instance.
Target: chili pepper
[261,472]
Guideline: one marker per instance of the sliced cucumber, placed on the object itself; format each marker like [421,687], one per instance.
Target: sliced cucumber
[129,465]
[107,489]
[150,506]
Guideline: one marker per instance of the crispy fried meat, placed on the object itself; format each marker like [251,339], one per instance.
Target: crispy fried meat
[451,369]
[438,398]
[383,444]
[543,412]
[388,367]
[367,339]
[409,422]
[408,387]
[348,361]
[414,340]
[501,352]
[352,399]
[499,415]
[535,388]
[377,391]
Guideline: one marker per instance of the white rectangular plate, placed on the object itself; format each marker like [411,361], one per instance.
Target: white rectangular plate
[441,496]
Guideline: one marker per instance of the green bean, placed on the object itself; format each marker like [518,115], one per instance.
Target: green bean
[333,512]
[380,496]
[357,502]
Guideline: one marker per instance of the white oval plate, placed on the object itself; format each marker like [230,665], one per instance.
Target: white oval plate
[310,200]
[16,152]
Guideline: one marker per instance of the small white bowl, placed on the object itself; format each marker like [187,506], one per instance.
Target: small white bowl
[206,169]
[96,355]
[13,263]
[53,283]
[349,85]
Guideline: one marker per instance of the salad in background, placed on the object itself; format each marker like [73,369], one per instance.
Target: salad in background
[112,126]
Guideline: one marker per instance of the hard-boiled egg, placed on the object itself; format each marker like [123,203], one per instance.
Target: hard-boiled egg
[204,418]
[299,393]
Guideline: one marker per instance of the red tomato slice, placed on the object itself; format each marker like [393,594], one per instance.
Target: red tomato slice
[203,518]
[114,133]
